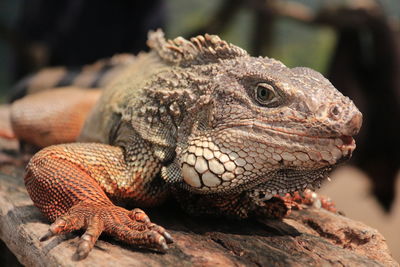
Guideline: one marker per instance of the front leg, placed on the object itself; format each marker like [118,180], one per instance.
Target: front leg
[69,184]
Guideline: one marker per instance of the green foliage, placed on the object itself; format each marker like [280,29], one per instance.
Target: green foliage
[303,45]
[293,43]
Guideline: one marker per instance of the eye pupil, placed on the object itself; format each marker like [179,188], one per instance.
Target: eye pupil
[264,94]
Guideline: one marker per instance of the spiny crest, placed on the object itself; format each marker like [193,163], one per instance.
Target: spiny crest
[199,50]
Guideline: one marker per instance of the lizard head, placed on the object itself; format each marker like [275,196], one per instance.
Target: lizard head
[256,125]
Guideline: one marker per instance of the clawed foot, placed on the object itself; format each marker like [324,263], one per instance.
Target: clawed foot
[280,206]
[297,200]
[132,227]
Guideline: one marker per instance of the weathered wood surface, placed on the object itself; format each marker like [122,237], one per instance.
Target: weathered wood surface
[310,237]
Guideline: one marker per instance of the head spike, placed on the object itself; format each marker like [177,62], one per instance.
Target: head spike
[199,50]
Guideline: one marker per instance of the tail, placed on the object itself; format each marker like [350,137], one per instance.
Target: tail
[6,130]
[96,75]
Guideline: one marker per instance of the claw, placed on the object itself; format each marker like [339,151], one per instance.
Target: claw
[168,238]
[133,227]
[157,241]
[89,238]
[83,249]
[163,244]
[47,236]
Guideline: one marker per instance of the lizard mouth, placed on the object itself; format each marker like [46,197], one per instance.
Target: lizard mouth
[348,142]
[345,143]
[340,145]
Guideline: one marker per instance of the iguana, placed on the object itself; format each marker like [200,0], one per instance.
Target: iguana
[199,120]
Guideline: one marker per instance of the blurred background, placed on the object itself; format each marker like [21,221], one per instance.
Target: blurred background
[356,44]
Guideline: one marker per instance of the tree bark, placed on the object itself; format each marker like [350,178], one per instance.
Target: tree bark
[309,237]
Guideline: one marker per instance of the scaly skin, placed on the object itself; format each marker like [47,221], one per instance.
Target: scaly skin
[70,182]
[30,116]
[201,120]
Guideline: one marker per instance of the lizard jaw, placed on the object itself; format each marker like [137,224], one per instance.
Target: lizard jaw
[274,162]
[289,181]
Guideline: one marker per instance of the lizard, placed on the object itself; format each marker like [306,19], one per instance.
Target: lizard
[201,121]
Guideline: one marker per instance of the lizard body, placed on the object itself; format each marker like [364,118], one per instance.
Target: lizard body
[203,121]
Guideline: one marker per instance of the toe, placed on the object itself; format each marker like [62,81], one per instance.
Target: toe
[145,238]
[62,225]
[139,216]
[89,238]
[156,241]
[161,230]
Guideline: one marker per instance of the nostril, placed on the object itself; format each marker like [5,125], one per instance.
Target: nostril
[334,112]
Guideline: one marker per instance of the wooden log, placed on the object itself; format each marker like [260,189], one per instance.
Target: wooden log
[309,237]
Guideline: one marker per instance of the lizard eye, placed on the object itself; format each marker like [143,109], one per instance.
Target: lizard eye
[265,94]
